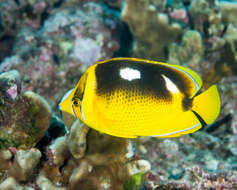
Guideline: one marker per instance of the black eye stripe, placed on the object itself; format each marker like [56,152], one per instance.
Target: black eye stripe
[79,93]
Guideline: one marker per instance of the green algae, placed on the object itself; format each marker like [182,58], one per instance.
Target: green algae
[135,182]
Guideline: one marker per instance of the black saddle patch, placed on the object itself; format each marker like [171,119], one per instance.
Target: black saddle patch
[150,83]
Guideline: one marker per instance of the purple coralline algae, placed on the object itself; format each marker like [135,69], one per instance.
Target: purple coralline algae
[200,161]
[15,15]
[45,46]
[52,58]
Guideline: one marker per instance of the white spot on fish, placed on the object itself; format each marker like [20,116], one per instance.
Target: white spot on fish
[170,85]
[130,74]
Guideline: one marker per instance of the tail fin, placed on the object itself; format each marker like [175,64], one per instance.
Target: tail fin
[208,104]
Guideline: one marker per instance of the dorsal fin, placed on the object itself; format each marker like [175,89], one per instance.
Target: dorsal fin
[194,80]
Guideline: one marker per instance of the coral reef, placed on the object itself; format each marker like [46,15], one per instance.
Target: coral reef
[11,183]
[15,15]
[81,158]
[206,17]
[198,34]
[52,58]
[189,52]
[24,164]
[151,27]
[24,117]
[77,139]
[199,161]
[198,179]
[112,3]
[46,45]
[95,161]
[228,10]
[228,87]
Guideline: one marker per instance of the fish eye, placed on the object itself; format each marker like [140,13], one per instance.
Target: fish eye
[75,102]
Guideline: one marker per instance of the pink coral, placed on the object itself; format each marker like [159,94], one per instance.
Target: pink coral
[180,14]
[52,59]
[12,92]
[87,51]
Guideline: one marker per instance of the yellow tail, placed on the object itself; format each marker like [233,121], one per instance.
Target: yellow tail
[208,104]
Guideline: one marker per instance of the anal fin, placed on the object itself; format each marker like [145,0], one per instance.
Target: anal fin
[182,124]
[192,130]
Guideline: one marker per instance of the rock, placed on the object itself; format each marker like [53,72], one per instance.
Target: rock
[11,184]
[44,183]
[25,164]
[77,143]
[59,151]
[5,160]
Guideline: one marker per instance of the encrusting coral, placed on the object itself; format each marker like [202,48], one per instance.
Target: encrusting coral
[77,139]
[24,165]
[189,52]
[98,161]
[51,42]
[11,184]
[83,158]
[24,117]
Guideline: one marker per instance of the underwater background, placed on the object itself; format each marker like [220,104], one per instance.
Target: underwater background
[46,45]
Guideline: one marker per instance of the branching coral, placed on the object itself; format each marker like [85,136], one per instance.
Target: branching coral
[151,27]
[24,165]
[90,160]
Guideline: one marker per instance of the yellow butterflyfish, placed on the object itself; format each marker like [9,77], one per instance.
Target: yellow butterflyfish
[130,97]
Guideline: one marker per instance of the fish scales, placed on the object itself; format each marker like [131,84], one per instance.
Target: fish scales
[130,97]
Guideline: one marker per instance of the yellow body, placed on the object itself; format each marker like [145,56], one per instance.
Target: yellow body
[126,110]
